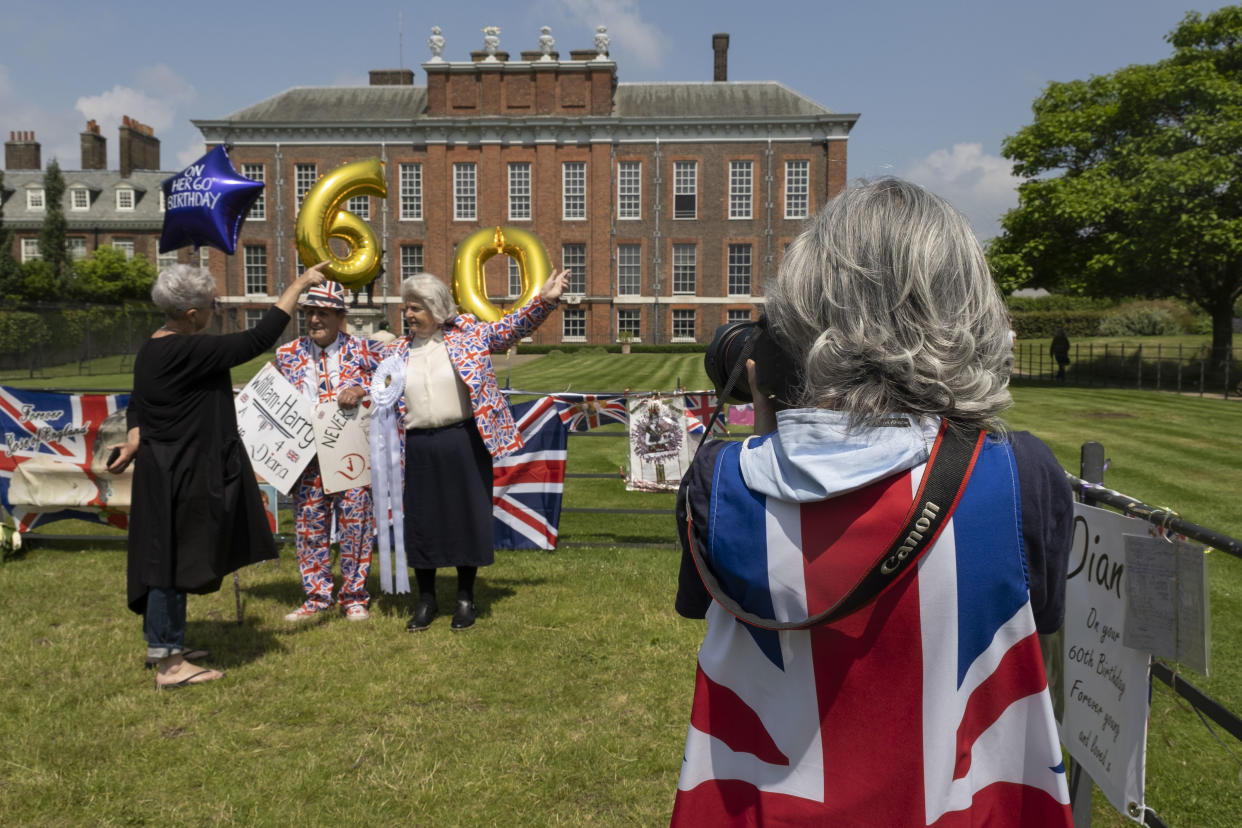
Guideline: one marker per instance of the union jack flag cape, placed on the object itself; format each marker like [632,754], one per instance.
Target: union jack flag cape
[57,438]
[584,412]
[927,707]
[527,485]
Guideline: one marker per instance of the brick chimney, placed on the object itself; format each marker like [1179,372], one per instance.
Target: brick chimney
[140,149]
[94,148]
[392,77]
[22,152]
[720,45]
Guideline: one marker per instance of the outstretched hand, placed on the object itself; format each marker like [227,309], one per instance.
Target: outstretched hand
[555,286]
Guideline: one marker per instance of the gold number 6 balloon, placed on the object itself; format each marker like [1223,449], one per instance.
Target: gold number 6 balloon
[468,289]
[322,218]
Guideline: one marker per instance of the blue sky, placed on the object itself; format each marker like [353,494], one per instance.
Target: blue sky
[938,85]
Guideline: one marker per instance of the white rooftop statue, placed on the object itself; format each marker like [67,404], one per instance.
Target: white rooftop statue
[546,42]
[491,42]
[436,42]
[601,42]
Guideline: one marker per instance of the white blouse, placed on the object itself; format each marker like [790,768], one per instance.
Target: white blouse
[434,393]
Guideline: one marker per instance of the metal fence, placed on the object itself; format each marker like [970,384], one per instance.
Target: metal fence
[1159,367]
[43,335]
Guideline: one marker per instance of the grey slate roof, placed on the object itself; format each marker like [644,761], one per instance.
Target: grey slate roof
[336,104]
[377,104]
[101,188]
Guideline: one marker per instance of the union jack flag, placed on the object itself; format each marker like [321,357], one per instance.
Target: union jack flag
[527,485]
[60,440]
[927,707]
[588,411]
[699,408]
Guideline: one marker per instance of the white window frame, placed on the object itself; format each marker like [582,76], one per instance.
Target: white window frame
[519,191]
[163,260]
[633,322]
[515,278]
[254,316]
[411,184]
[573,191]
[694,324]
[629,190]
[465,191]
[741,189]
[79,192]
[575,316]
[734,265]
[738,315]
[251,255]
[360,206]
[30,250]
[411,260]
[258,210]
[685,184]
[574,259]
[629,269]
[204,256]
[35,199]
[126,246]
[304,177]
[76,247]
[797,188]
[125,199]
[685,266]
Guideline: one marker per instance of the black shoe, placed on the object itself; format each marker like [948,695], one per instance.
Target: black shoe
[423,613]
[463,618]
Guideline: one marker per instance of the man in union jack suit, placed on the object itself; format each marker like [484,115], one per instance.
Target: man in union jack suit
[923,701]
[329,364]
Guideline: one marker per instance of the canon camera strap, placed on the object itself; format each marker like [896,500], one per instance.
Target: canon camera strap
[948,468]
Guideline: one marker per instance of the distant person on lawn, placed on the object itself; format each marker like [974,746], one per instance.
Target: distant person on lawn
[196,513]
[1059,350]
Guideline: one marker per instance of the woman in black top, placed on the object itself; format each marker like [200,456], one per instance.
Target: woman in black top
[196,514]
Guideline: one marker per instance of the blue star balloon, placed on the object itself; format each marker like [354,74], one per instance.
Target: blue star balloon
[206,203]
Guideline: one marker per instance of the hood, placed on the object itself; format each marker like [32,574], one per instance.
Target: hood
[814,455]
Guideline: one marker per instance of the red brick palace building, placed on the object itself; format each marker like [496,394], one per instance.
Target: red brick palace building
[670,202]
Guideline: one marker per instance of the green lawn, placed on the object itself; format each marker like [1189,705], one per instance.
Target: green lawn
[567,705]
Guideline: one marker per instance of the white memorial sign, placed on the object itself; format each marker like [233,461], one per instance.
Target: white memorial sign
[274,422]
[1104,721]
[343,440]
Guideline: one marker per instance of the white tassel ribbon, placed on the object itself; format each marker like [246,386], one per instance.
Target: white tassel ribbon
[387,383]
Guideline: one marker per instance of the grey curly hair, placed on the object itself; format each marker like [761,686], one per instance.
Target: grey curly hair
[886,301]
[181,287]
[432,293]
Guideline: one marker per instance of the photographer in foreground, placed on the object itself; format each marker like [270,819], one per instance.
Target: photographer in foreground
[875,564]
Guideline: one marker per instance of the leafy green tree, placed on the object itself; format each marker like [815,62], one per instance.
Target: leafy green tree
[106,276]
[1134,180]
[53,248]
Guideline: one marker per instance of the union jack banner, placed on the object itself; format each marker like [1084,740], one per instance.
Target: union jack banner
[699,408]
[527,485]
[927,707]
[587,411]
[53,457]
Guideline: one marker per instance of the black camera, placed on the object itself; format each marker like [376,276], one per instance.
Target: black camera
[776,372]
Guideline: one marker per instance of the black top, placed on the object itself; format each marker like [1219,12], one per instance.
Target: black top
[1047,528]
[196,514]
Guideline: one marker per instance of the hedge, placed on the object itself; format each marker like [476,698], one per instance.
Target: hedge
[1044,324]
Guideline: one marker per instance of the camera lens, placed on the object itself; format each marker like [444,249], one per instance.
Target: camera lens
[725,353]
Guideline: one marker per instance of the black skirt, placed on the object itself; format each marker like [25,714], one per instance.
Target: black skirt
[448,497]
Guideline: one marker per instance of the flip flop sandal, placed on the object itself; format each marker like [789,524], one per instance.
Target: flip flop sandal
[186,682]
[188,655]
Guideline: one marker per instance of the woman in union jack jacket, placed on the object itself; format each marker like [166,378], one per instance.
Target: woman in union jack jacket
[455,422]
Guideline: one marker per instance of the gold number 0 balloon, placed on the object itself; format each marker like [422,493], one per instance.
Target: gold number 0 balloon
[322,218]
[468,290]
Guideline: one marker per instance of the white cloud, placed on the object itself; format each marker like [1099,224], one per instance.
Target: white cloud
[191,152]
[629,33]
[980,185]
[107,108]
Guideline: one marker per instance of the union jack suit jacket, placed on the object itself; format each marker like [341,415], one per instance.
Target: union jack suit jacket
[470,344]
[358,358]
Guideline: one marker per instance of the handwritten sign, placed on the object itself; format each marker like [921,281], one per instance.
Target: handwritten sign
[1166,600]
[275,424]
[1103,721]
[343,439]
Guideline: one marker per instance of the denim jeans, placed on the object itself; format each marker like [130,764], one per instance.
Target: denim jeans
[163,624]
